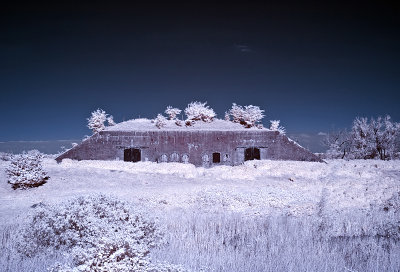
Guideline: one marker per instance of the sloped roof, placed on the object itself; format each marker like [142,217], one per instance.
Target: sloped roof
[143,124]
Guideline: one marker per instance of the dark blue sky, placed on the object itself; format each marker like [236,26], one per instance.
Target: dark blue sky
[313,66]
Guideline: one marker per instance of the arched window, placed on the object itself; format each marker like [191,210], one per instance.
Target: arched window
[175,157]
[164,158]
[185,158]
[226,158]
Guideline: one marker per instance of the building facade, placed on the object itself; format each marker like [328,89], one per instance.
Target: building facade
[199,147]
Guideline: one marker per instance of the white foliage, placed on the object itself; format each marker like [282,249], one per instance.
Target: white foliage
[386,141]
[361,146]
[160,121]
[100,232]
[275,126]
[172,112]
[338,145]
[197,111]
[248,116]
[112,254]
[227,116]
[96,122]
[179,123]
[374,139]
[82,221]
[110,121]
[368,139]
[26,170]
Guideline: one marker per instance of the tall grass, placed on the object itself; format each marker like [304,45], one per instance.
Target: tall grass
[226,241]
[11,260]
[231,242]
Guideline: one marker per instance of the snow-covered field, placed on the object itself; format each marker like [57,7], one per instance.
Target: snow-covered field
[259,216]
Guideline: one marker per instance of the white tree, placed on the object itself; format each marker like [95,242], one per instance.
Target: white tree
[338,143]
[390,136]
[172,112]
[248,116]
[371,139]
[160,121]
[197,111]
[26,170]
[275,126]
[361,147]
[96,122]
[383,133]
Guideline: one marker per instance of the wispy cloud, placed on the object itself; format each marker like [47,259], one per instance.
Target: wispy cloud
[322,133]
[243,48]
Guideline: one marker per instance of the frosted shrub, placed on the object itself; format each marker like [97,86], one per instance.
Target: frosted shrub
[172,112]
[275,126]
[160,121]
[96,122]
[197,111]
[110,121]
[248,116]
[26,170]
[96,224]
[112,254]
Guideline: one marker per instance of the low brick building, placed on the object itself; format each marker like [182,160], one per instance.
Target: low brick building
[202,144]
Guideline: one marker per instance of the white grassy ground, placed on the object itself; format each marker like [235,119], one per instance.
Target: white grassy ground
[245,196]
[256,187]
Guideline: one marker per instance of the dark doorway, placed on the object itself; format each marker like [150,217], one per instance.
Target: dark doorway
[252,153]
[132,155]
[216,157]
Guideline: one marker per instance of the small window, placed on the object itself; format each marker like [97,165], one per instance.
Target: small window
[164,158]
[174,157]
[216,157]
[226,158]
[185,158]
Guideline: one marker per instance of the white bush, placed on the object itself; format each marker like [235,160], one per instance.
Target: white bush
[101,233]
[197,111]
[160,121]
[248,116]
[96,122]
[112,254]
[26,170]
[275,126]
[172,112]
[82,222]
[110,121]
